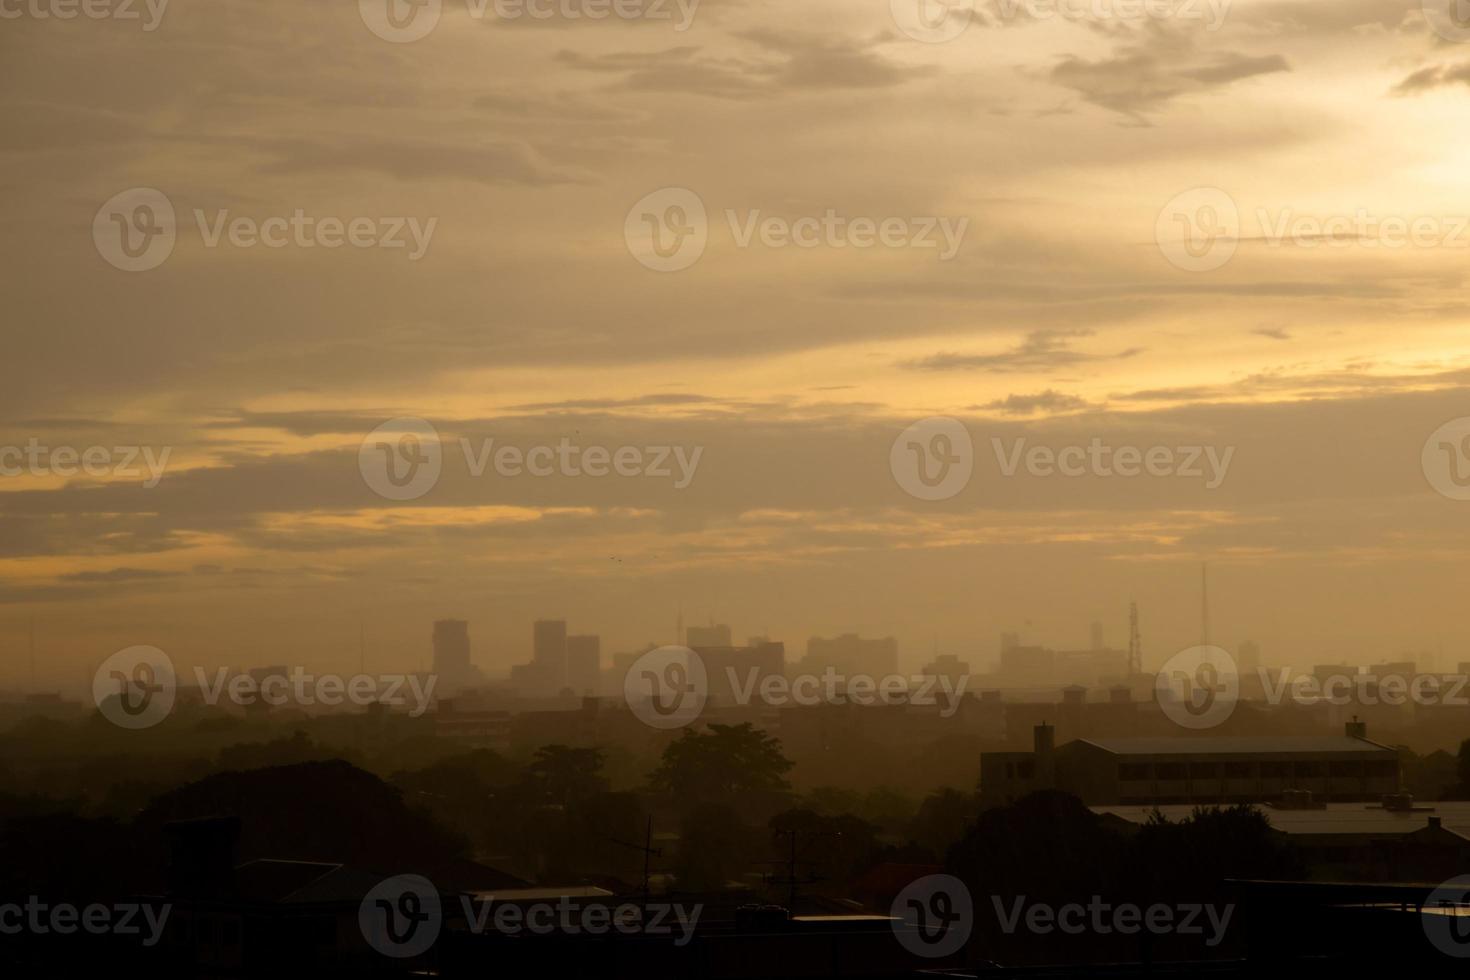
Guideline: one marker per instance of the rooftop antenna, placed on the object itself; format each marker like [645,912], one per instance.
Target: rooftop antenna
[1204,604]
[649,852]
[1135,642]
[791,881]
[361,647]
[34,689]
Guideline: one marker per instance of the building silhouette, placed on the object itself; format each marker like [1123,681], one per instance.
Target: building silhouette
[851,654]
[584,665]
[713,635]
[452,656]
[1201,769]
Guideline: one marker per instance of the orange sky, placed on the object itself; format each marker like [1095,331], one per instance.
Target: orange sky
[1325,359]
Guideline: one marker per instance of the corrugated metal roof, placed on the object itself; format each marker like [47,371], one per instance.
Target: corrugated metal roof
[1236,745]
[1337,818]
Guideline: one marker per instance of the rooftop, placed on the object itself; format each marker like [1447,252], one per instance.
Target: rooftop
[1337,818]
[1236,745]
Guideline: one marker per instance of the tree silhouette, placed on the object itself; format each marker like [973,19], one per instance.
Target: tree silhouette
[316,811]
[727,760]
[566,776]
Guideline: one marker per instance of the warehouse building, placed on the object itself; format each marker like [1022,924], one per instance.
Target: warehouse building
[1195,769]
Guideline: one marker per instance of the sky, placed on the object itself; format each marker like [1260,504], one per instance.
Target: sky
[1236,228]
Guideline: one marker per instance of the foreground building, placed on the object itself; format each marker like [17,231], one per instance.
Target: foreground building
[1195,769]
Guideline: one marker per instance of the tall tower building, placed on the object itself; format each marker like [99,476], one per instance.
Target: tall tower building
[584,665]
[451,647]
[452,656]
[549,652]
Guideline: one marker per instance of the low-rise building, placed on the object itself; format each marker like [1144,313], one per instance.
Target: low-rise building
[1195,769]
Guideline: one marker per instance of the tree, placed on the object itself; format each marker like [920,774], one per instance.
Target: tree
[314,811]
[727,760]
[715,848]
[943,818]
[288,751]
[1192,857]
[836,848]
[563,775]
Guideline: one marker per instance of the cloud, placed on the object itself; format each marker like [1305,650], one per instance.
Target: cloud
[1156,66]
[1044,401]
[1350,382]
[1312,17]
[1042,350]
[643,401]
[1433,77]
[781,64]
[118,575]
[487,162]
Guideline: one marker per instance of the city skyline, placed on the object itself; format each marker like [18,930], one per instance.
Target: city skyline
[476,664]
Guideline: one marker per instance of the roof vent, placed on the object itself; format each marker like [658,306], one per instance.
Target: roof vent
[1401,802]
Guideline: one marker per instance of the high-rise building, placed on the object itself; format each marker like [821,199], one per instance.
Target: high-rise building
[1249,658]
[948,666]
[713,635]
[1097,636]
[584,665]
[733,671]
[549,652]
[452,655]
[451,646]
[851,654]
